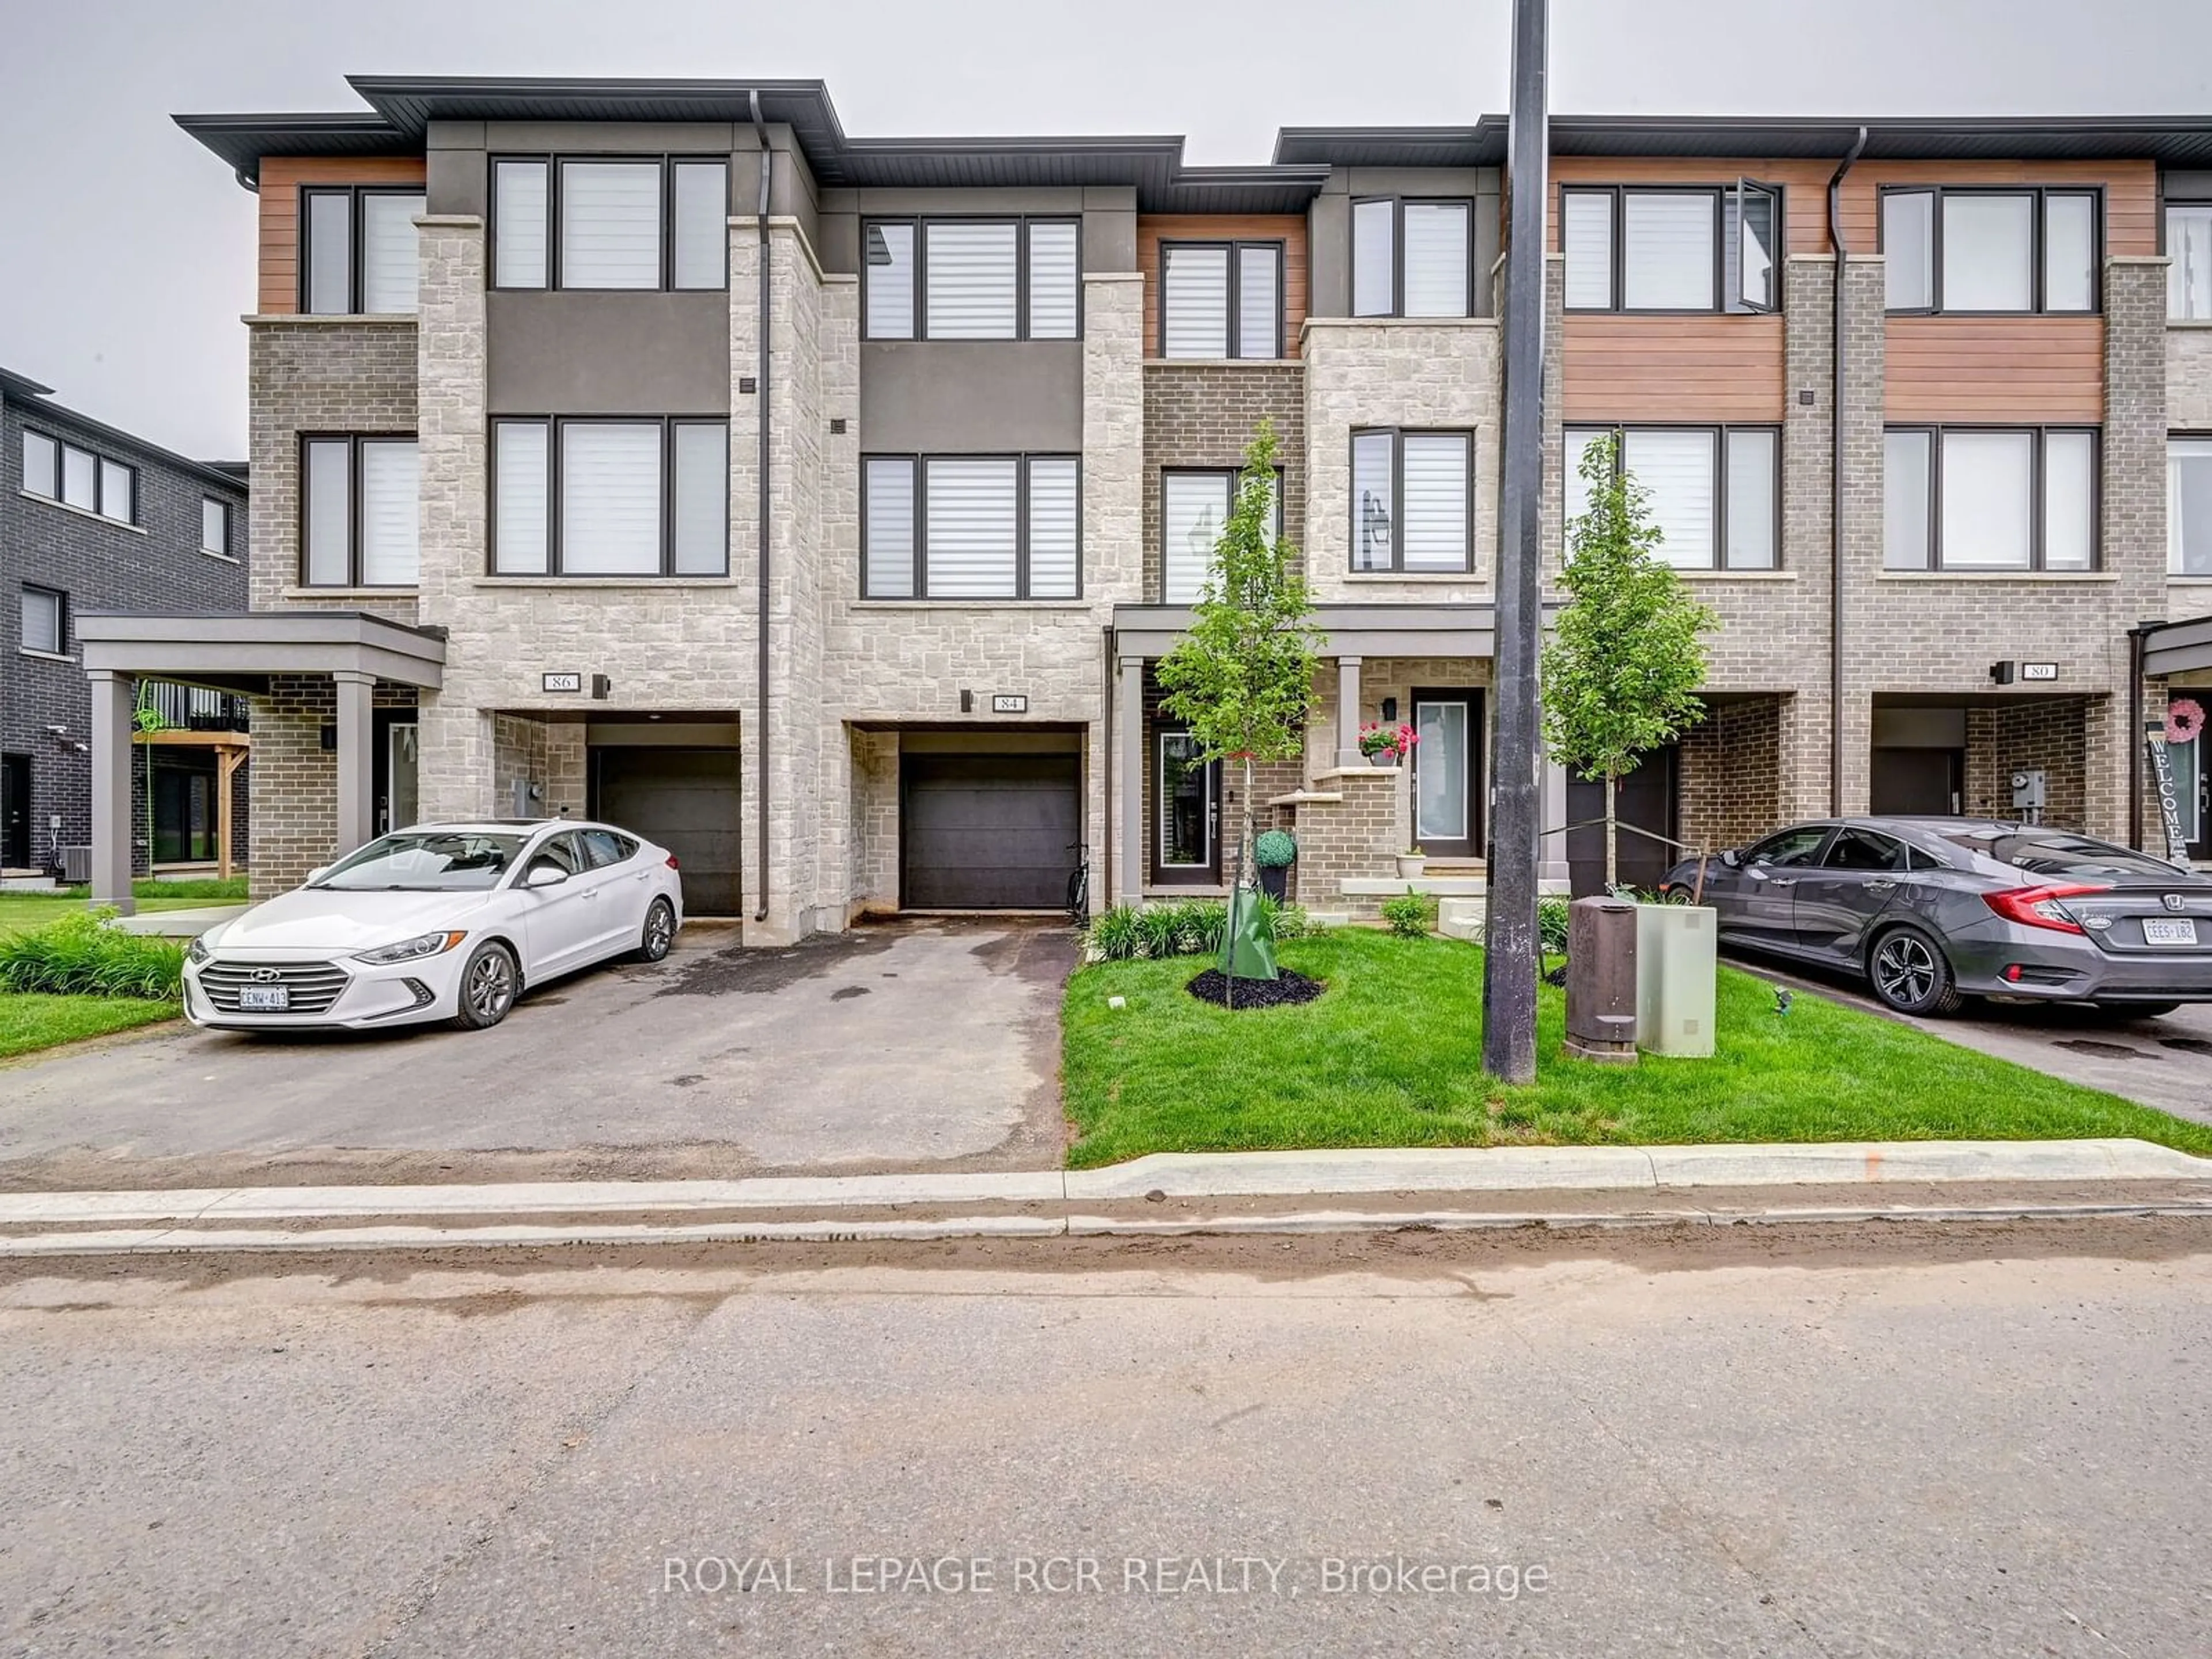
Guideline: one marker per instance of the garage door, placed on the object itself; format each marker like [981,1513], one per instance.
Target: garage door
[988,832]
[688,801]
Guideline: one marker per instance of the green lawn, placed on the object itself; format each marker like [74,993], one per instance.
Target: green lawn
[21,912]
[28,1021]
[1392,1056]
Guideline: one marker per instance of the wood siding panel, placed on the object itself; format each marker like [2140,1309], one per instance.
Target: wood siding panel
[1673,369]
[1288,228]
[280,179]
[2011,370]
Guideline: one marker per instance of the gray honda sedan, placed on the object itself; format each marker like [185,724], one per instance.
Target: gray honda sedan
[1932,910]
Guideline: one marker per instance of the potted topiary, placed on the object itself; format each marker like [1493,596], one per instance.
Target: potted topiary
[1274,852]
[1412,865]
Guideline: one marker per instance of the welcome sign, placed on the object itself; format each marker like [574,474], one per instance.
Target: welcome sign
[2169,802]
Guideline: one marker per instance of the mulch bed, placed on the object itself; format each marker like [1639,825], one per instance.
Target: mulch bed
[1213,986]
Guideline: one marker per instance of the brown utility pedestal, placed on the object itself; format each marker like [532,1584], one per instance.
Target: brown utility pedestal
[1601,980]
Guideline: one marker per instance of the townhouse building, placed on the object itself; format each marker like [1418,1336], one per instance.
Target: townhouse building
[94,519]
[821,507]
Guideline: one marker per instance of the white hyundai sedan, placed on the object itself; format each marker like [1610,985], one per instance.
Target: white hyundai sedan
[441,921]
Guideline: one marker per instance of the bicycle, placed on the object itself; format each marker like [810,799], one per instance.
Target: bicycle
[1078,885]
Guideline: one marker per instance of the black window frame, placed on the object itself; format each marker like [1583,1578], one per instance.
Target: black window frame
[355,270]
[1022,222]
[1721,431]
[552,162]
[2037,250]
[555,529]
[61,598]
[1398,434]
[1899,850]
[1725,304]
[1234,246]
[2038,529]
[1398,201]
[229,527]
[920,459]
[101,463]
[354,442]
[2166,206]
[1234,475]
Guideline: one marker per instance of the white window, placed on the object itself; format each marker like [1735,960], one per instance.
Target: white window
[521,478]
[42,461]
[700,194]
[888,255]
[1220,299]
[611,498]
[118,492]
[81,478]
[1412,501]
[1586,235]
[358,250]
[1668,241]
[973,279]
[1712,492]
[971,527]
[45,625]
[609,495]
[699,538]
[1705,247]
[1055,295]
[2016,498]
[519,218]
[1411,257]
[360,512]
[2008,251]
[214,527]
[2188,506]
[2189,249]
[610,219]
[1193,507]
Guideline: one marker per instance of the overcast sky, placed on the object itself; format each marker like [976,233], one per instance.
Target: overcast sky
[126,251]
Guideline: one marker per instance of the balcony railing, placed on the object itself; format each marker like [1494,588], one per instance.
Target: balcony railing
[192,708]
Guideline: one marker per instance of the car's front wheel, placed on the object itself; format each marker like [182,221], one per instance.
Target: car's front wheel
[659,935]
[1909,973]
[488,984]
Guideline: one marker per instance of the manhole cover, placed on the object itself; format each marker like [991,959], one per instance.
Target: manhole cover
[2103,1050]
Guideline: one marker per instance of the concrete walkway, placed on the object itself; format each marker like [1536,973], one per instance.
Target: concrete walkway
[180,924]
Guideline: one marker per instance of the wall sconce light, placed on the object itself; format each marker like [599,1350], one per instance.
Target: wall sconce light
[1390,708]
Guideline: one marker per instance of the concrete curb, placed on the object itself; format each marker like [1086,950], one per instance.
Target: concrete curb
[1173,1174]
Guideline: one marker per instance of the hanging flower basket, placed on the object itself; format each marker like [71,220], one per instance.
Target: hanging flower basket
[2184,720]
[1387,745]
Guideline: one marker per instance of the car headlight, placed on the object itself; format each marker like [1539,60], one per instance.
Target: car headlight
[197,950]
[409,949]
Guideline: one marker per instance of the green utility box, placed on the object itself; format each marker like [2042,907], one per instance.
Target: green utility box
[1675,978]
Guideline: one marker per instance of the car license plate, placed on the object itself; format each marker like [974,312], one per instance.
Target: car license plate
[2164,930]
[263,999]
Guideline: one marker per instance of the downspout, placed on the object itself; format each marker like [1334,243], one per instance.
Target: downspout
[761,784]
[1836,491]
[2138,643]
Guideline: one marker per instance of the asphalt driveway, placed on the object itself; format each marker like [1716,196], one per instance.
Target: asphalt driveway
[916,1045]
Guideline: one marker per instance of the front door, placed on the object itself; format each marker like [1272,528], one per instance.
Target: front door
[1447,774]
[395,766]
[1918,783]
[16,812]
[1186,812]
[1646,799]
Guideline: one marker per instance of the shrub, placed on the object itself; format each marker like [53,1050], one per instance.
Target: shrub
[1275,849]
[1409,914]
[82,955]
[1201,925]
[1115,935]
[1552,925]
[1291,921]
[1160,927]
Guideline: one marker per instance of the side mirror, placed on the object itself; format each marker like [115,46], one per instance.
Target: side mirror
[545,875]
[1730,858]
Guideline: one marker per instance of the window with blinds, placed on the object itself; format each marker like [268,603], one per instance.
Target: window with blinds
[360,512]
[648,223]
[2189,255]
[699,209]
[1055,284]
[1586,236]
[888,279]
[77,478]
[971,527]
[1680,248]
[631,498]
[358,250]
[1193,506]
[214,527]
[44,617]
[1412,500]
[971,279]
[1221,300]
[609,221]
[1412,258]
[520,211]
[1982,250]
[1668,244]
[973,285]
[2016,498]
[1713,493]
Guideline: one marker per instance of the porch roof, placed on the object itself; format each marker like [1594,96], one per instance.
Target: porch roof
[2178,647]
[1349,630]
[241,651]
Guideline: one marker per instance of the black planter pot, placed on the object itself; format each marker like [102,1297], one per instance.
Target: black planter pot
[1275,881]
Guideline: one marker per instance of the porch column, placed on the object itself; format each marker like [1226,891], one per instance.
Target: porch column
[111,726]
[1129,863]
[1552,855]
[356,762]
[1347,712]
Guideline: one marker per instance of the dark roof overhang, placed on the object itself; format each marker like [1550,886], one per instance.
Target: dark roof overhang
[27,394]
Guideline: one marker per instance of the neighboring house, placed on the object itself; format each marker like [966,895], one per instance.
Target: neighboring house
[527,486]
[94,521]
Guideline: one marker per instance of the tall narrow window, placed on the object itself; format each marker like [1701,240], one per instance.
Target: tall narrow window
[2189,507]
[699,535]
[2069,501]
[1054,518]
[81,478]
[521,477]
[1259,300]
[390,493]
[2189,254]
[326,516]
[214,527]
[610,219]
[1908,493]
[1439,251]
[611,498]
[2069,252]
[1374,258]
[974,284]
[45,616]
[519,213]
[1754,477]
[1193,507]
[888,548]
[1374,501]
[1586,233]
[1194,300]
[1055,279]
[1754,215]
[701,198]
[1908,248]
[389,254]
[326,250]
[42,461]
[887,253]
[118,492]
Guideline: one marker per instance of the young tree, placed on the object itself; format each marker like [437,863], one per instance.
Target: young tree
[1242,676]
[1621,672]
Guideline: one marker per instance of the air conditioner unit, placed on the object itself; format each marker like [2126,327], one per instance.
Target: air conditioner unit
[76,866]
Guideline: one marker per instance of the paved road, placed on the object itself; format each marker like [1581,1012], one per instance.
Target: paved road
[1772,1443]
[2165,1063]
[914,1045]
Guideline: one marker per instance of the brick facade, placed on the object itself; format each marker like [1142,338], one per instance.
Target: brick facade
[1730,777]
[1203,414]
